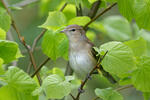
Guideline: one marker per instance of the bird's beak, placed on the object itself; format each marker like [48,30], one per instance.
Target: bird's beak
[62,31]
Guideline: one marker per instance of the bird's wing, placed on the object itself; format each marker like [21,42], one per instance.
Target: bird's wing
[94,53]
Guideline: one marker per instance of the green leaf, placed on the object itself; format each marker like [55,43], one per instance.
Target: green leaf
[76,2]
[8,50]
[146,95]
[1,5]
[55,20]
[57,71]
[108,94]
[19,85]
[55,45]
[91,35]
[1,62]
[69,78]
[125,81]
[142,13]
[2,34]
[92,1]
[5,20]
[86,3]
[37,91]
[70,11]
[120,30]
[126,8]
[137,9]
[98,26]
[119,59]
[18,54]
[64,48]
[48,5]
[10,93]
[141,76]
[145,34]
[111,1]
[1,69]
[55,87]
[79,20]
[20,80]
[138,46]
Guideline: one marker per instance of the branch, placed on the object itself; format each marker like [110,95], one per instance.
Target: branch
[63,7]
[72,96]
[94,8]
[24,3]
[100,14]
[21,38]
[37,39]
[40,66]
[88,76]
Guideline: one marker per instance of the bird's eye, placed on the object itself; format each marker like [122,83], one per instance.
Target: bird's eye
[73,30]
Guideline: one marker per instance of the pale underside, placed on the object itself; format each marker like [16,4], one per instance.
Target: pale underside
[81,62]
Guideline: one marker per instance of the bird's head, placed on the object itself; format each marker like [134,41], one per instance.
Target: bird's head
[74,32]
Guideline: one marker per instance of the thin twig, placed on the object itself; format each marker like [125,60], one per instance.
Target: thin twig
[94,9]
[72,96]
[63,7]
[40,66]
[36,40]
[88,76]
[100,14]
[24,3]
[123,87]
[21,38]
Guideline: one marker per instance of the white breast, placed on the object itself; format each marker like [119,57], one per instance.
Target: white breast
[81,62]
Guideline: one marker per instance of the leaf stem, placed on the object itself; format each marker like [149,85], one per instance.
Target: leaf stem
[124,87]
[63,7]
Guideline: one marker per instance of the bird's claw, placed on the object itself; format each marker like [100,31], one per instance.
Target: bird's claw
[89,77]
[81,90]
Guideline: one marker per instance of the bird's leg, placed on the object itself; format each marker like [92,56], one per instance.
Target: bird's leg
[80,89]
[89,76]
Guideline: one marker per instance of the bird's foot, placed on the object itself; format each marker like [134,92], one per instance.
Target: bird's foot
[81,90]
[89,77]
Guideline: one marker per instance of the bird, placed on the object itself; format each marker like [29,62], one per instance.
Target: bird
[82,56]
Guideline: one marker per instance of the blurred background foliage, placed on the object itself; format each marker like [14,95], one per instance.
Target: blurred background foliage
[110,26]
